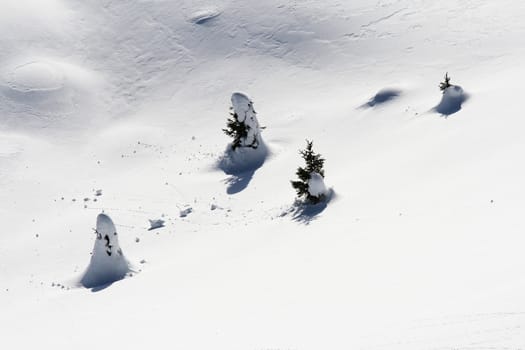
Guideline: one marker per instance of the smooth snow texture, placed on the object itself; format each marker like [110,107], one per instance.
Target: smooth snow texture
[36,76]
[108,263]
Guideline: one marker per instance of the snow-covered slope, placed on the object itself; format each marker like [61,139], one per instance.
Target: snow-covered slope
[117,107]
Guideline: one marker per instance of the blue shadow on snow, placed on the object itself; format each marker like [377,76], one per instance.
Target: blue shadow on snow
[383,96]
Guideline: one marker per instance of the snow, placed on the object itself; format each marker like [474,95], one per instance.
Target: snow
[316,186]
[156,223]
[243,161]
[420,249]
[205,15]
[452,100]
[243,108]
[108,263]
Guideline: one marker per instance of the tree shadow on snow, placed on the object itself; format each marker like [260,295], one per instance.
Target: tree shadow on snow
[383,96]
[101,287]
[239,182]
[451,101]
[305,213]
[241,165]
[98,285]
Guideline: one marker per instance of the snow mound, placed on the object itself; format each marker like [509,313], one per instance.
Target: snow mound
[204,15]
[108,263]
[452,100]
[35,76]
[38,93]
[243,159]
[316,186]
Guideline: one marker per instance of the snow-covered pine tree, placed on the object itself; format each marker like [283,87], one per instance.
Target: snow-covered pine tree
[445,84]
[242,125]
[312,171]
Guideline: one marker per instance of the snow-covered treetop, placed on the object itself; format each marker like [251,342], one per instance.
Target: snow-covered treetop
[316,186]
[243,109]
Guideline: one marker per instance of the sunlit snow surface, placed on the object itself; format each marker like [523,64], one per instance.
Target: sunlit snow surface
[117,107]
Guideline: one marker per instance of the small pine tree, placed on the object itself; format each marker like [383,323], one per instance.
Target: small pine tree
[245,130]
[235,129]
[445,84]
[314,163]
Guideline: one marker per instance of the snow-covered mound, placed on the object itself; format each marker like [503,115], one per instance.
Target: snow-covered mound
[39,93]
[451,101]
[204,15]
[108,263]
[35,76]
[243,159]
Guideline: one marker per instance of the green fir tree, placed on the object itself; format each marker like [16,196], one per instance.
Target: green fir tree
[235,129]
[314,163]
[445,84]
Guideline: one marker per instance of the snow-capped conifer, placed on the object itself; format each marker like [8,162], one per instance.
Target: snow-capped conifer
[310,184]
[243,126]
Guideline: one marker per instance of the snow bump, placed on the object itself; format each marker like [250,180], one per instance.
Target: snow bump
[35,76]
[205,15]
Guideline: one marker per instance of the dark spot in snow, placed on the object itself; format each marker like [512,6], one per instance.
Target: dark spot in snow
[108,246]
